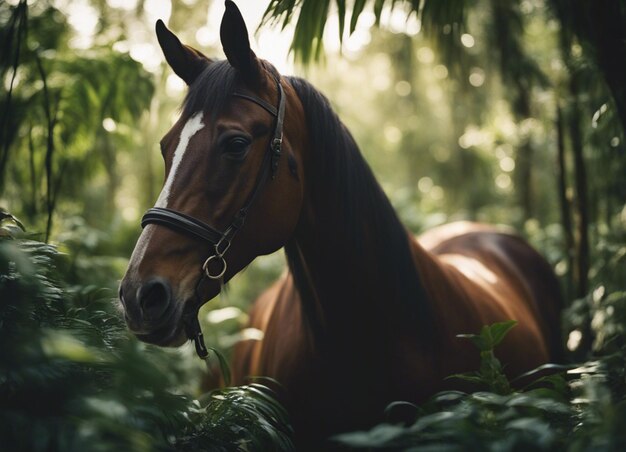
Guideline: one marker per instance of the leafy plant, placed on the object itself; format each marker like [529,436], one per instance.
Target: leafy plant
[72,378]
[539,418]
[479,421]
[491,372]
[256,420]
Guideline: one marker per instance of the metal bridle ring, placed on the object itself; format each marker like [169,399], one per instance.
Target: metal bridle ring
[205,267]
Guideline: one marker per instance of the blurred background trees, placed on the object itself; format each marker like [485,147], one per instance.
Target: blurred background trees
[502,111]
[534,91]
[498,111]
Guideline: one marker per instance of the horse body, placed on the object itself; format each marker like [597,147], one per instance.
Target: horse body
[473,275]
[366,314]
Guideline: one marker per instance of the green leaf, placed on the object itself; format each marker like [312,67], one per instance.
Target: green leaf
[224,368]
[480,341]
[472,377]
[7,216]
[448,396]
[561,368]
[498,331]
[378,9]
[357,9]
[341,12]
[402,412]
[379,436]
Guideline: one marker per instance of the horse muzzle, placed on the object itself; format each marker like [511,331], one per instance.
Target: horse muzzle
[151,313]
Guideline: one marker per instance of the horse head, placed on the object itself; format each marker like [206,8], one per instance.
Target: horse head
[233,187]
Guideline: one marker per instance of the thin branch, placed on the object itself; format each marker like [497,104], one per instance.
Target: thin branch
[51,122]
[21,15]
[566,214]
[33,173]
[580,172]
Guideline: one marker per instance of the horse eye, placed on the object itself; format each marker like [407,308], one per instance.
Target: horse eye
[237,146]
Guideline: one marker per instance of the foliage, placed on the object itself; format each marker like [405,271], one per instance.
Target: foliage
[581,409]
[71,375]
[544,58]
[75,378]
[478,421]
[438,18]
[257,422]
[462,119]
[60,110]
[490,372]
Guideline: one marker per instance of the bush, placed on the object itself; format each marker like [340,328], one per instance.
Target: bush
[582,408]
[72,378]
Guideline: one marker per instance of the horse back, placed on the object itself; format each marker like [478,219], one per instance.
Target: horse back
[497,276]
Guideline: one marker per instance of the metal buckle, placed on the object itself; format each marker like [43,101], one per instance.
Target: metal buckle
[223,242]
[276,144]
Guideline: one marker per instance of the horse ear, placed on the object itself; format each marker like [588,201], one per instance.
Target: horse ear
[234,37]
[186,61]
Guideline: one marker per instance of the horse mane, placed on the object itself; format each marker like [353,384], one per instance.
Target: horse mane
[357,196]
[360,207]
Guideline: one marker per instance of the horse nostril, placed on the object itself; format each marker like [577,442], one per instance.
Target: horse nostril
[154,299]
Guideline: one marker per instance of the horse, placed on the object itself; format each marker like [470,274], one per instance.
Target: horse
[366,313]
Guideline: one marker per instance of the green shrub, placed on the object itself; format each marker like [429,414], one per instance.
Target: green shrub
[577,409]
[72,378]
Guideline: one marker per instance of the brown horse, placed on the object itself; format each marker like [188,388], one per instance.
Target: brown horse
[366,314]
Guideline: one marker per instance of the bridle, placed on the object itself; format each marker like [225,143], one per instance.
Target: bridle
[221,240]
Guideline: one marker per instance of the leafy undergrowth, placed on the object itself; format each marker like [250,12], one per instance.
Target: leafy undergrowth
[73,379]
[576,408]
[256,422]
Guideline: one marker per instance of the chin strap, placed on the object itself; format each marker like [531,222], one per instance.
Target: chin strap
[192,324]
[194,332]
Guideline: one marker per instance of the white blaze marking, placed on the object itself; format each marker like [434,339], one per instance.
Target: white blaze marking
[194,124]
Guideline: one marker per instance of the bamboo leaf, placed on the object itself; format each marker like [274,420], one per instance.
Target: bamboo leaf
[378,9]
[357,9]
[341,13]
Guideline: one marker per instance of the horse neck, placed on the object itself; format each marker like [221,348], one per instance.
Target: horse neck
[350,256]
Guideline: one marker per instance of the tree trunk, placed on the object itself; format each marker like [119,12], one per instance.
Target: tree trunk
[580,172]
[523,166]
[566,219]
[16,29]
[606,29]
[524,160]
[600,25]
